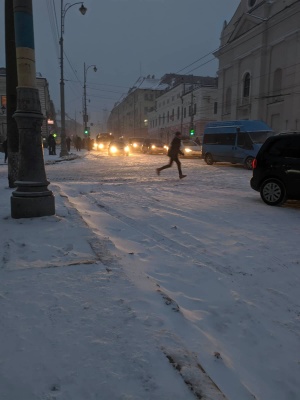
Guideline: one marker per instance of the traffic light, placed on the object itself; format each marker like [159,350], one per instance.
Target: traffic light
[192,132]
[87,130]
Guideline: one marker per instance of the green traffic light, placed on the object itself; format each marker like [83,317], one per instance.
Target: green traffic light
[192,132]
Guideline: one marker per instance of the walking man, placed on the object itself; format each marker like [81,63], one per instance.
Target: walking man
[173,153]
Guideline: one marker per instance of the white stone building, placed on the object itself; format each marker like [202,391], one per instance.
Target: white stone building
[183,107]
[259,64]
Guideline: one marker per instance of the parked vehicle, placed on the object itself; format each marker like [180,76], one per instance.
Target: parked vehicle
[191,148]
[135,144]
[276,169]
[234,141]
[154,146]
[118,147]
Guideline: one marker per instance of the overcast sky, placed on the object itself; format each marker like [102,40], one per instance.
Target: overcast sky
[125,39]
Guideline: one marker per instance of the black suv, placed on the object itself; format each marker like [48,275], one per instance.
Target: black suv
[276,169]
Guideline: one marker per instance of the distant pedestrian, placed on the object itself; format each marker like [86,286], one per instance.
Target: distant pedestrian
[173,153]
[4,145]
[51,144]
[68,140]
[78,143]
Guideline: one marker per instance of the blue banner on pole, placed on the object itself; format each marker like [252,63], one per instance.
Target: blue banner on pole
[24,30]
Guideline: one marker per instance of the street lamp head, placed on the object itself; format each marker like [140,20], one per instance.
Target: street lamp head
[82,9]
[95,68]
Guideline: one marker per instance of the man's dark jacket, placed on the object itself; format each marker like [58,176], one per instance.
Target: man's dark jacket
[174,149]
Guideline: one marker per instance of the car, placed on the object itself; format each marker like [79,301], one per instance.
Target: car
[191,148]
[154,146]
[118,147]
[276,169]
[135,144]
[102,141]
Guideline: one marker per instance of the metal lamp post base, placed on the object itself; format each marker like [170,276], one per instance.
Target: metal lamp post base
[31,198]
[26,203]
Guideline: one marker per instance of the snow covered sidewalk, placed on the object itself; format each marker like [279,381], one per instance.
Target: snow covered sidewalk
[141,286]
[68,325]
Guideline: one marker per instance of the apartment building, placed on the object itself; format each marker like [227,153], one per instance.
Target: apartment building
[47,106]
[186,105]
[129,117]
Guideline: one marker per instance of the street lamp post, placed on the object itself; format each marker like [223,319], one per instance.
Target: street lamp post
[85,116]
[32,198]
[63,11]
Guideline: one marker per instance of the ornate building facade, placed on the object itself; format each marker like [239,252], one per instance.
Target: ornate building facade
[259,64]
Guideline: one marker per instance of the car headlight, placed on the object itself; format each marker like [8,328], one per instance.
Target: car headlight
[113,149]
[166,147]
[153,146]
[95,146]
[101,146]
[134,144]
[126,148]
[188,150]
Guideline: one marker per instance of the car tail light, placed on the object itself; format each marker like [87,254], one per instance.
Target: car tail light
[254,163]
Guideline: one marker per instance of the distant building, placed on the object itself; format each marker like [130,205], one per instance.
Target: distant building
[129,117]
[188,104]
[259,64]
[47,106]
[157,107]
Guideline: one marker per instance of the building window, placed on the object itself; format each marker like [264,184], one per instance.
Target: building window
[168,117]
[163,118]
[215,107]
[3,105]
[246,85]
[172,115]
[184,112]
[195,108]
[228,101]
[178,112]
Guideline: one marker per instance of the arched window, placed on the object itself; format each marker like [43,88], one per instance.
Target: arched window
[277,81]
[228,101]
[246,86]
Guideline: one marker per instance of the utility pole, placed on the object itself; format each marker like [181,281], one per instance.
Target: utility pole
[11,95]
[85,115]
[192,131]
[63,11]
